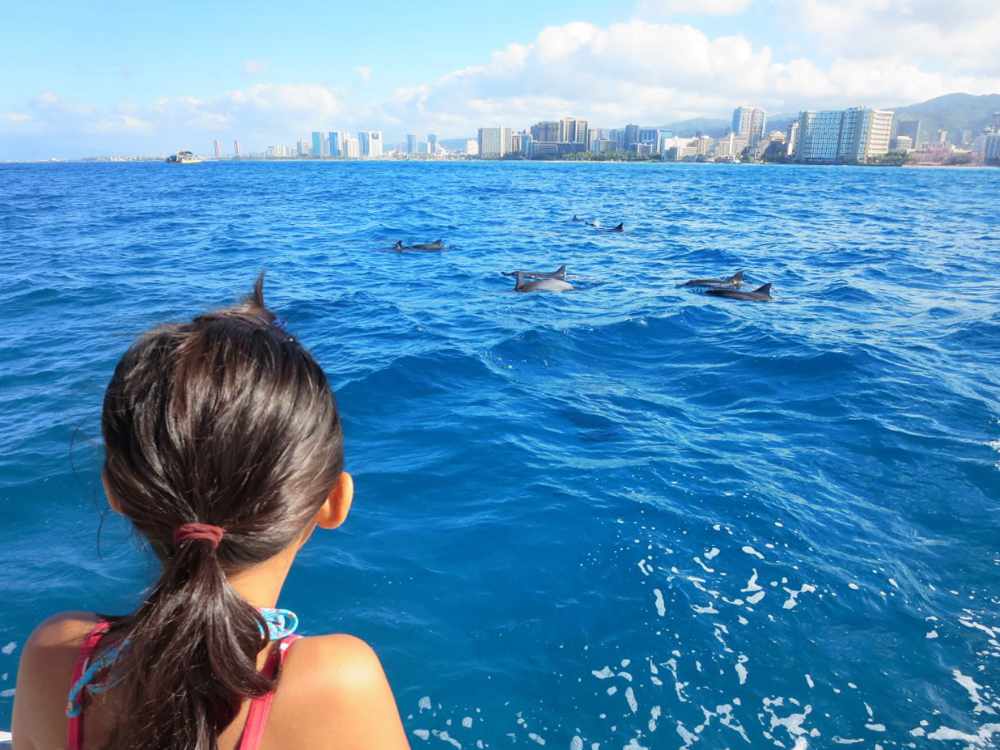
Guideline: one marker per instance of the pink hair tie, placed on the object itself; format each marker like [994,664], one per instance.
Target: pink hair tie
[204,531]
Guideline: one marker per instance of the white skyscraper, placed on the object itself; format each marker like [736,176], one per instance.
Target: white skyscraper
[749,124]
[494,143]
[370,143]
[217,147]
[852,136]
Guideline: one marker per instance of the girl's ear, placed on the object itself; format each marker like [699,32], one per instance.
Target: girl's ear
[112,500]
[334,510]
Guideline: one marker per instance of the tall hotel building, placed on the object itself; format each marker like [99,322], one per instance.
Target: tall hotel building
[852,136]
[334,143]
[749,124]
[370,144]
[317,145]
[494,143]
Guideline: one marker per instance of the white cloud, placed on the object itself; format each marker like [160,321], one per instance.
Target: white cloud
[960,36]
[637,71]
[655,73]
[654,8]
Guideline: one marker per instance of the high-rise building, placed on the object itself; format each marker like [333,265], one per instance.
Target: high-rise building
[572,130]
[819,136]
[494,143]
[300,148]
[662,137]
[749,124]
[370,144]
[317,144]
[996,122]
[217,147]
[903,143]
[349,147]
[411,143]
[236,149]
[792,140]
[631,137]
[432,144]
[852,136]
[547,131]
[333,143]
[991,148]
[471,147]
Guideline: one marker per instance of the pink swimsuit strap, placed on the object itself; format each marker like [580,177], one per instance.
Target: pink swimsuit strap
[260,707]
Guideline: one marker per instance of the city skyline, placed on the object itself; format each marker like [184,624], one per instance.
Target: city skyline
[118,84]
[856,135]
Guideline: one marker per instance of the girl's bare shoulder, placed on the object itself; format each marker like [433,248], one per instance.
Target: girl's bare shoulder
[339,682]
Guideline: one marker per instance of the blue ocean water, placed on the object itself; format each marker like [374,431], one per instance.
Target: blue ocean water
[627,516]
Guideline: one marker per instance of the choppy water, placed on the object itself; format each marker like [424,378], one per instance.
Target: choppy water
[630,515]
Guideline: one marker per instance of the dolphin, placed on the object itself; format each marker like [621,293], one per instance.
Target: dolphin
[763,294]
[559,273]
[422,246]
[549,284]
[595,225]
[736,280]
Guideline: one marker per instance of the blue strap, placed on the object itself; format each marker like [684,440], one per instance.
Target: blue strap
[281,623]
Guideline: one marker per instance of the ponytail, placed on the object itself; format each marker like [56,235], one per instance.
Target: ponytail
[191,655]
[226,421]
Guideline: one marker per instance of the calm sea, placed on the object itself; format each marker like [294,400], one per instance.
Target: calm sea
[627,516]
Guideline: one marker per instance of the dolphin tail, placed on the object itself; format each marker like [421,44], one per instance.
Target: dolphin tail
[765,290]
[736,278]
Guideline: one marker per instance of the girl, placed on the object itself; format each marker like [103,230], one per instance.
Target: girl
[224,449]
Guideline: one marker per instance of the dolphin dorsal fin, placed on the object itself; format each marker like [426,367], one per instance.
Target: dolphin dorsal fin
[620,227]
[561,272]
[737,277]
[766,289]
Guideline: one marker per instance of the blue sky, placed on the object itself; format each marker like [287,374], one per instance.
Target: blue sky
[124,78]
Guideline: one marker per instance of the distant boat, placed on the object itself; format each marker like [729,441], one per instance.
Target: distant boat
[183,157]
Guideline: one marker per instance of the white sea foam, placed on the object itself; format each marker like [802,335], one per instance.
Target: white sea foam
[752,584]
[654,716]
[633,704]
[423,734]
[661,607]
[751,551]
[424,704]
[793,595]
[8,649]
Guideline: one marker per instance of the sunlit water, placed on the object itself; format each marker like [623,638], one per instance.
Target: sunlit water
[630,515]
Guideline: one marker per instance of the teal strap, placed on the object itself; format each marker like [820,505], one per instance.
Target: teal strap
[281,623]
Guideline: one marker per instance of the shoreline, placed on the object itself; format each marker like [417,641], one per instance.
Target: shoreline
[249,160]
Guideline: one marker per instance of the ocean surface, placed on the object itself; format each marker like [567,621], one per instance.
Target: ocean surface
[631,515]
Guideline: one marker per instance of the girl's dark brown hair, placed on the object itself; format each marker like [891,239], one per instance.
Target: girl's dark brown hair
[226,420]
